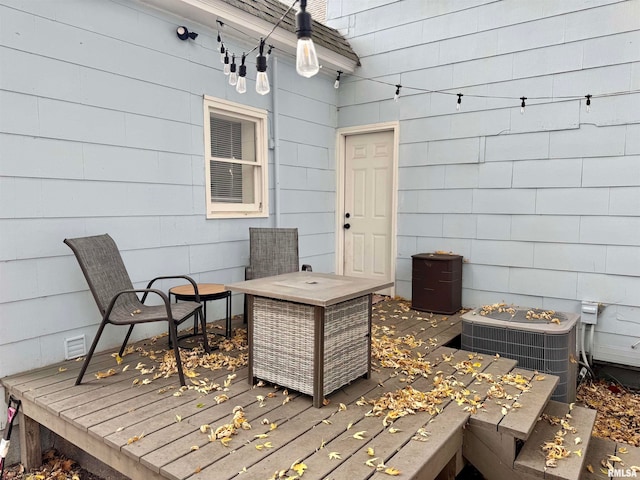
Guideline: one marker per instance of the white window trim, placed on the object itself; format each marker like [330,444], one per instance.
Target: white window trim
[260,208]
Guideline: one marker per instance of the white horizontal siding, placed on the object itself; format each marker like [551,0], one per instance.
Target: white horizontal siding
[101,131]
[553,195]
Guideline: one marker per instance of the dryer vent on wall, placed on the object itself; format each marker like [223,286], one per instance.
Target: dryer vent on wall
[74,347]
[537,345]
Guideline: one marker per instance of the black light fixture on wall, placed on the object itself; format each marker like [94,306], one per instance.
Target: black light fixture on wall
[183,33]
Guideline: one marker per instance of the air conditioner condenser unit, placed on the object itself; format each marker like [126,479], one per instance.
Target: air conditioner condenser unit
[543,341]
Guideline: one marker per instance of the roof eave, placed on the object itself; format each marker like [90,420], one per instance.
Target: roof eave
[208,12]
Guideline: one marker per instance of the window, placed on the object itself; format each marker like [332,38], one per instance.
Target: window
[236,159]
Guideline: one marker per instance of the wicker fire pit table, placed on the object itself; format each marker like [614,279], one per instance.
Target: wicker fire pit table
[309,331]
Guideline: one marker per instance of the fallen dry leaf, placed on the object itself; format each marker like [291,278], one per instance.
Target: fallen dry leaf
[299,468]
[135,438]
[108,373]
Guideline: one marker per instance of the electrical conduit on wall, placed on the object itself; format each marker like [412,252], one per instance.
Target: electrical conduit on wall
[276,138]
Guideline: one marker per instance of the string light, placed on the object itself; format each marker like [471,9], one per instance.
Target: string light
[306,57]
[221,48]
[262,80]
[227,67]
[303,29]
[233,75]
[241,86]
[397,95]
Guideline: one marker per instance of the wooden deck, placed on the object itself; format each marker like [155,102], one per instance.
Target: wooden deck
[150,431]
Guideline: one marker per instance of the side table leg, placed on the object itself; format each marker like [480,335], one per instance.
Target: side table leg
[249,312]
[369,314]
[228,324]
[318,357]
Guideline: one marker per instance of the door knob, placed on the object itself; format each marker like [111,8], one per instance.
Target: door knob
[347,226]
[347,215]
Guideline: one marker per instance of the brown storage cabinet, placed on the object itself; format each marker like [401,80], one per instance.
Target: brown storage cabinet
[436,282]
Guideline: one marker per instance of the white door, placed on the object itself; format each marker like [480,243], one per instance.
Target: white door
[368,202]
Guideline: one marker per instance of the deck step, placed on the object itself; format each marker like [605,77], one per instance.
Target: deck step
[520,422]
[531,460]
[517,422]
[601,451]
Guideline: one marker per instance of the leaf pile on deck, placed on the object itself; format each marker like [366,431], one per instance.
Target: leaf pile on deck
[556,449]
[225,431]
[617,408]
[403,355]
[162,363]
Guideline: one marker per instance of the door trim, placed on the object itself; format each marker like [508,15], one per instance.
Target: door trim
[341,140]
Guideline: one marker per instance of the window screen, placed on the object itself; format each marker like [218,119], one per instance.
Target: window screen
[232,140]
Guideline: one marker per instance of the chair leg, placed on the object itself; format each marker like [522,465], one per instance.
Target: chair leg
[173,336]
[126,339]
[87,359]
[203,324]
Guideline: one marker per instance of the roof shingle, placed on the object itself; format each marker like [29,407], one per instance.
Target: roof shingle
[272,10]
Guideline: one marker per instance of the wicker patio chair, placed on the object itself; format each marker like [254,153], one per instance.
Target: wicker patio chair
[117,300]
[272,251]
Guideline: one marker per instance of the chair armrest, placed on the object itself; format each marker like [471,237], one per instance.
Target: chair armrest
[306,268]
[146,291]
[169,277]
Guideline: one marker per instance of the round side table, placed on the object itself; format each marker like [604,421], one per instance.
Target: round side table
[207,292]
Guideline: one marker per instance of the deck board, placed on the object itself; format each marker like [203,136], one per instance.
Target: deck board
[532,459]
[599,449]
[104,415]
[519,422]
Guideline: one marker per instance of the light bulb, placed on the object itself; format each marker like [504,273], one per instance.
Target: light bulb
[336,84]
[233,76]
[262,80]
[241,86]
[223,51]
[227,67]
[460,95]
[306,58]
[522,105]
[262,83]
